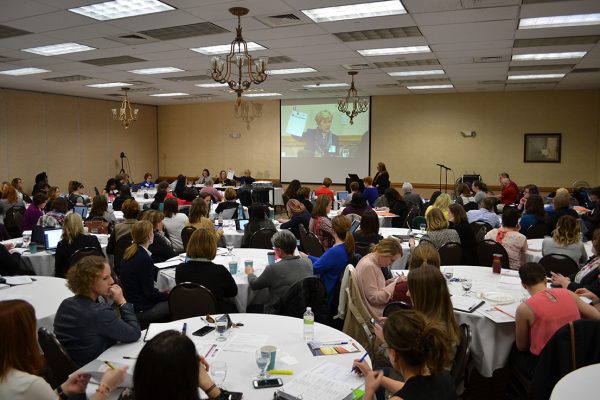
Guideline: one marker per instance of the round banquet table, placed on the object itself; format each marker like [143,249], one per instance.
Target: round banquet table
[578,384]
[45,295]
[283,332]
[534,250]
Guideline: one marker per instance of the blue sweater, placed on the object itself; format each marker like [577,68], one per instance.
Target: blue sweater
[137,279]
[371,194]
[330,266]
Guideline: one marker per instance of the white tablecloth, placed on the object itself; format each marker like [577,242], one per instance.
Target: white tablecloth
[534,252]
[45,295]
[283,332]
[579,384]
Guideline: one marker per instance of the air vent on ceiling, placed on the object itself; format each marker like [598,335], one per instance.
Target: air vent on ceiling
[8,59]
[491,82]
[143,89]
[430,80]
[356,67]
[275,21]
[9,31]
[309,79]
[556,41]
[114,94]
[489,3]
[188,78]
[196,97]
[492,59]
[113,60]
[408,63]
[70,78]
[280,60]
[378,34]
[334,91]
[585,70]
[131,39]
[185,31]
[300,90]
[389,86]
[553,67]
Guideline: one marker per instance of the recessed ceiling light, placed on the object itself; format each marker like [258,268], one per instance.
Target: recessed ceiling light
[538,76]
[121,9]
[24,71]
[417,73]
[212,85]
[261,94]
[56,49]
[394,50]
[151,71]
[225,48]
[108,85]
[548,56]
[325,85]
[290,71]
[354,11]
[424,87]
[169,94]
[559,20]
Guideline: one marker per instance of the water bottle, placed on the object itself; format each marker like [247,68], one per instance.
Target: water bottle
[240,212]
[309,325]
[220,219]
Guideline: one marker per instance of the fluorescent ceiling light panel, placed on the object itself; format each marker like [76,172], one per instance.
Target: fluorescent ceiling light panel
[108,85]
[326,85]
[424,87]
[538,76]
[549,56]
[57,49]
[290,71]
[418,73]
[24,71]
[152,71]
[261,94]
[169,94]
[121,9]
[355,11]
[212,85]
[394,50]
[559,21]
[225,48]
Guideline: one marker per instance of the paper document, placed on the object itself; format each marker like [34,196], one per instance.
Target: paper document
[509,309]
[245,343]
[97,368]
[495,315]
[510,280]
[326,381]
[230,174]
[466,304]
[168,264]
[296,123]
[156,328]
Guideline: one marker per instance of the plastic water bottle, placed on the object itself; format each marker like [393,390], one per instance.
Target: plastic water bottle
[240,212]
[220,219]
[309,325]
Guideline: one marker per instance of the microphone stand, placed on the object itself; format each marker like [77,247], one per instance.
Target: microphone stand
[446,170]
[122,171]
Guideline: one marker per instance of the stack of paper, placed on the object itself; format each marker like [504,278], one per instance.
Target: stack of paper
[325,381]
[466,304]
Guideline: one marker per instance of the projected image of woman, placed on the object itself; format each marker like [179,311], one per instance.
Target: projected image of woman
[320,141]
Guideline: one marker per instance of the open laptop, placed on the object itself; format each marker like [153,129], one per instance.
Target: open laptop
[52,237]
[81,210]
[341,196]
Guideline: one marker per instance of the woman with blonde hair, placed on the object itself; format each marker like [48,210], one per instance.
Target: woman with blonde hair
[442,203]
[438,232]
[198,217]
[423,254]
[320,224]
[73,238]
[566,240]
[137,277]
[375,289]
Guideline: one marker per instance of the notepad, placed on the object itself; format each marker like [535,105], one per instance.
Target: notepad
[296,123]
[466,304]
[157,328]
[97,368]
[328,349]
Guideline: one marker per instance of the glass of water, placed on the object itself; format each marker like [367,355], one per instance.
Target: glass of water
[221,329]
[467,284]
[262,360]
[448,273]
[229,244]
[218,372]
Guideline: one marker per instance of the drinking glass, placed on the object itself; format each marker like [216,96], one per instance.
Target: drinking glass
[218,372]
[262,360]
[448,273]
[229,248]
[467,283]
[221,329]
[423,227]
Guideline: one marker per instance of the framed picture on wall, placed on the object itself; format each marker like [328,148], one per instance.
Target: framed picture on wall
[542,147]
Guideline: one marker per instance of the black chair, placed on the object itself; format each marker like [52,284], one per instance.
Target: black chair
[362,248]
[184,210]
[13,221]
[186,234]
[59,362]
[451,254]
[84,252]
[120,246]
[486,250]
[560,264]
[412,213]
[191,300]
[310,243]
[395,306]
[245,196]
[260,195]
[536,231]
[416,222]
[309,292]
[480,228]
[261,239]
[461,358]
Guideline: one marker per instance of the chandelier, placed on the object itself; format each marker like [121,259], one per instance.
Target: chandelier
[353,105]
[125,113]
[247,69]
[247,111]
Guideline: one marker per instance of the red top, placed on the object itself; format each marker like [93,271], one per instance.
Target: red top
[509,193]
[324,190]
[552,309]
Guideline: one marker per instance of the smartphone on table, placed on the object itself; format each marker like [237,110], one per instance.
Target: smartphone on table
[267,383]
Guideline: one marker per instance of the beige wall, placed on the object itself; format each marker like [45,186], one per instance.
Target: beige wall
[71,138]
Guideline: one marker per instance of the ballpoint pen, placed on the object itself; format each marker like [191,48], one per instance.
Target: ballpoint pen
[184,328]
[361,360]
[109,365]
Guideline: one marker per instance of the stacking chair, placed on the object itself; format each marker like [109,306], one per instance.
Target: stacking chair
[186,234]
[308,292]
[13,221]
[84,252]
[310,243]
[536,231]
[362,248]
[417,221]
[59,362]
[486,250]
[560,264]
[480,228]
[122,244]
[451,254]
[261,239]
[395,306]
[412,213]
[191,300]
[459,371]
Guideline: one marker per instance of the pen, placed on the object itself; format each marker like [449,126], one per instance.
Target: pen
[334,342]
[361,360]
[184,328]
[109,364]
[129,358]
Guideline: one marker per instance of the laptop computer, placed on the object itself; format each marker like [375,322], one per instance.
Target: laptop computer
[240,223]
[355,225]
[52,237]
[37,235]
[342,196]
[81,210]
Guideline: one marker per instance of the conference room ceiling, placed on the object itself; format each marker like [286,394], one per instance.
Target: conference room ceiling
[472,41]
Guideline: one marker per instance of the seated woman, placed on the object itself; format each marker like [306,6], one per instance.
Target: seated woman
[100,210]
[55,217]
[528,191]
[560,207]
[258,220]
[397,206]
[86,327]
[438,232]
[534,213]
[320,224]
[291,191]
[199,218]
[180,185]
[202,179]
[124,194]
[21,361]
[298,216]
[442,202]
[368,230]
[423,254]
[9,199]
[53,194]
[302,195]
[282,275]
[358,205]
[34,211]
[137,277]
[161,248]
[370,192]
[174,222]
[147,183]
[189,194]
[245,179]
[509,237]
[229,202]
[464,197]
[73,239]
[566,240]
[419,350]
[207,201]
[130,209]
[208,188]
[375,289]
[587,275]
[110,190]
[459,222]
[331,265]
[199,268]
[541,315]
[223,180]
[76,196]
[159,200]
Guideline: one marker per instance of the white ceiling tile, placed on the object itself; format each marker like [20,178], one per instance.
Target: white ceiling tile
[420,6]
[156,20]
[13,9]
[50,21]
[466,16]
[472,32]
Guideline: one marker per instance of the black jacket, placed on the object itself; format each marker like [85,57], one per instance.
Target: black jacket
[64,251]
